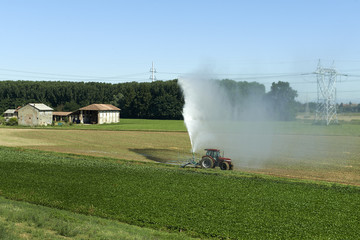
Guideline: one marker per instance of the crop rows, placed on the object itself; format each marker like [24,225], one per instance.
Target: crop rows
[200,203]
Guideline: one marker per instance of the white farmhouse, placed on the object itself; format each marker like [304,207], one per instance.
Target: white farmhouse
[97,114]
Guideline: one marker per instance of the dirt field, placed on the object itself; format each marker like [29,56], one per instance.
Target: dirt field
[15,138]
[130,145]
[329,158]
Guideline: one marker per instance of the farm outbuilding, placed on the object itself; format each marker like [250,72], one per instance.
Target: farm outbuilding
[97,114]
[35,114]
[10,113]
[61,116]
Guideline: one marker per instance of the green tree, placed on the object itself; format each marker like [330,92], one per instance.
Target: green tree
[136,100]
[71,106]
[281,100]
[117,98]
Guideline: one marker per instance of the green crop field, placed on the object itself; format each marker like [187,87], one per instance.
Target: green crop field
[113,173]
[123,125]
[200,203]
[21,220]
[292,127]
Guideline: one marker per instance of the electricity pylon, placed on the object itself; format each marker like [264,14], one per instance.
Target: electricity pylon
[153,71]
[326,95]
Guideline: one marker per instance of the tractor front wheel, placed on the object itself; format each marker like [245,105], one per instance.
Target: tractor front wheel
[224,166]
[206,162]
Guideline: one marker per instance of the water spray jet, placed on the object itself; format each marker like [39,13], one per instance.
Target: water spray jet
[214,113]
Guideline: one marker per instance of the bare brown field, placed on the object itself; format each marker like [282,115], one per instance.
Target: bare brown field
[15,138]
[327,158]
[128,145]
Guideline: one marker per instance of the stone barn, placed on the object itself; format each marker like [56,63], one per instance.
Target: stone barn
[97,114]
[35,114]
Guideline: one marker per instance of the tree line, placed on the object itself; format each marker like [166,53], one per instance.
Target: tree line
[157,100]
[310,107]
[147,100]
[252,102]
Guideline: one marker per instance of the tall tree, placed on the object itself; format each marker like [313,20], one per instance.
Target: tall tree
[281,100]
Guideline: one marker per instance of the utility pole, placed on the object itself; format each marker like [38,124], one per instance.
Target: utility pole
[326,95]
[153,71]
[307,109]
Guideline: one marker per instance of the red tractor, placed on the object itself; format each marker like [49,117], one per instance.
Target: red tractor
[213,159]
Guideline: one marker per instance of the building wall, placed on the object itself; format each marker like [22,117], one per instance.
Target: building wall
[27,116]
[30,116]
[108,117]
[45,118]
[9,115]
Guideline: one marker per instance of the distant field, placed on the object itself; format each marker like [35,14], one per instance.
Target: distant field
[124,125]
[342,117]
[200,203]
[302,126]
[138,124]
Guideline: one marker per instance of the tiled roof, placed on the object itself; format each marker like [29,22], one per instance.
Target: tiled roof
[100,107]
[11,111]
[41,106]
[61,113]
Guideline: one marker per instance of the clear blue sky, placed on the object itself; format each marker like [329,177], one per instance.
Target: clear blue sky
[116,41]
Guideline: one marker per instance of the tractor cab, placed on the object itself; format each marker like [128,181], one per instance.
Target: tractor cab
[214,153]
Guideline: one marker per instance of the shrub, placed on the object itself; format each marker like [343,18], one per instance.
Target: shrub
[12,121]
[2,121]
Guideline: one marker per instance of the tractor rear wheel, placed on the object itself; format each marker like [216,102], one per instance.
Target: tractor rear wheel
[206,162]
[224,166]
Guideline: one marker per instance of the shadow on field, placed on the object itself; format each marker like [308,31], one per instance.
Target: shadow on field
[160,155]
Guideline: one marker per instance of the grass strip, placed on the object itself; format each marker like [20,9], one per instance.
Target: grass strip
[149,125]
[267,127]
[21,220]
[197,202]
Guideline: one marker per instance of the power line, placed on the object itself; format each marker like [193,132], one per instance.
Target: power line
[244,76]
[37,78]
[349,91]
[136,76]
[69,76]
[42,73]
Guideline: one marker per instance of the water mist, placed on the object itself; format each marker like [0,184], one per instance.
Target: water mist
[214,120]
[242,126]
